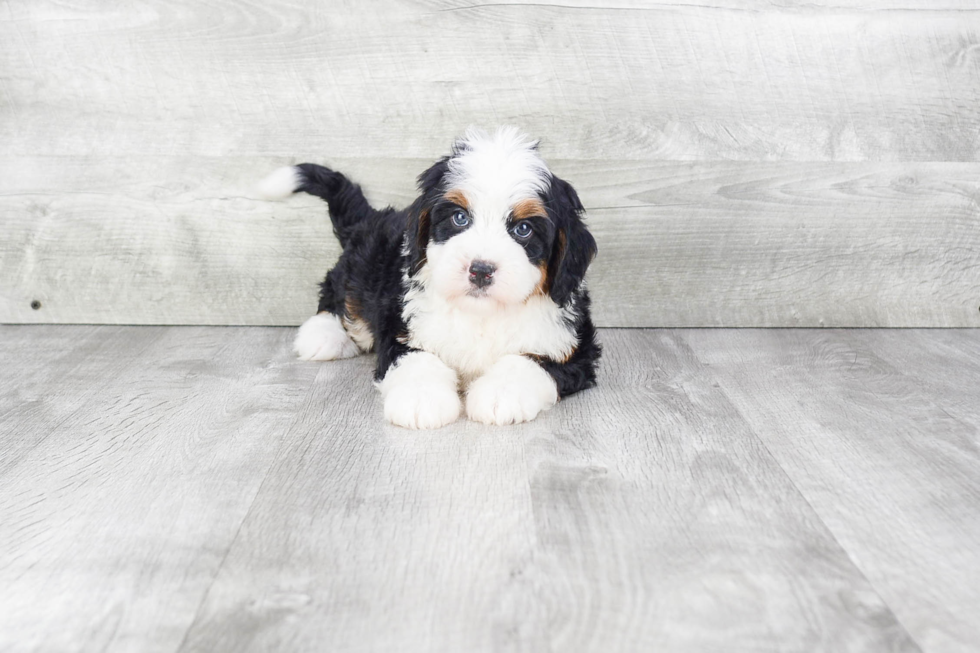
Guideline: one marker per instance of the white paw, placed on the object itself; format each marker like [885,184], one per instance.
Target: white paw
[514,390]
[323,338]
[420,392]
[421,407]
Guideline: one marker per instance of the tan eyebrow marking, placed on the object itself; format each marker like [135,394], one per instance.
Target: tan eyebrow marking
[529,208]
[457,197]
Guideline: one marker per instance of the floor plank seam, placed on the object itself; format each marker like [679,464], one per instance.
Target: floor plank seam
[231,543]
[251,507]
[217,571]
[860,570]
[699,498]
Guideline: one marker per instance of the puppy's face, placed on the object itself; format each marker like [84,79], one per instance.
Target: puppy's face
[494,227]
[485,252]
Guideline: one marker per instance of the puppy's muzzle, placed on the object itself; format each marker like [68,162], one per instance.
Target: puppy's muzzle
[481,273]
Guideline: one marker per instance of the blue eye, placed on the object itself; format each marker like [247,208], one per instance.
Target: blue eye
[523,229]
[460,219]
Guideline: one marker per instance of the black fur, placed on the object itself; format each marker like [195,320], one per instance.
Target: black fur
[579,371]
[346,203]
[380,245]
[366,282]
[575,247]
[419,214]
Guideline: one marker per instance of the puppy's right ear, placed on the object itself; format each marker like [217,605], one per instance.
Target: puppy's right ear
[430,184]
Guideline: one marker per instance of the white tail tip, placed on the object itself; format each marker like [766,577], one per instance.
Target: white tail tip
[280,184]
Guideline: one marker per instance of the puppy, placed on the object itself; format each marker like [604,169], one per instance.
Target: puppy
[476,287]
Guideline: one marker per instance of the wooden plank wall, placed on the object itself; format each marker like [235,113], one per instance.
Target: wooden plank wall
[744,162]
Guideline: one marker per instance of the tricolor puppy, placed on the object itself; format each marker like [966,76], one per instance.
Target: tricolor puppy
[477,288]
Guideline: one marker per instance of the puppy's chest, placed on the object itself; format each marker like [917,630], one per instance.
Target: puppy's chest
[471,343]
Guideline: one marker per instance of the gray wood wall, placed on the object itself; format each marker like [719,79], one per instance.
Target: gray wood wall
[744,162]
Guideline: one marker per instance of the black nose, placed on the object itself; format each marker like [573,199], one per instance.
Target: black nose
[481,273]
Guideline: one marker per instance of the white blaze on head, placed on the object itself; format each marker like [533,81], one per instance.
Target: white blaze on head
[493,173]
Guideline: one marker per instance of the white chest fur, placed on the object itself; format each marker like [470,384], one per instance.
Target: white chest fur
[472,341]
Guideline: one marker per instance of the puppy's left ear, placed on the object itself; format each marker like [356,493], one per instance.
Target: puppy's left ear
[417,232]
[417,235]
[574,246]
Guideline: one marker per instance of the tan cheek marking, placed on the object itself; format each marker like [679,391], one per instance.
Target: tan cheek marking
[422,239]
[457,197]
[423,235]
[544,285]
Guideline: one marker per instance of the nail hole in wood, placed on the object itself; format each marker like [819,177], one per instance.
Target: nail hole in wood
[36,305]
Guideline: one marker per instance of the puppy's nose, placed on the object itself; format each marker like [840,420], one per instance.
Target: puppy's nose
[481,273]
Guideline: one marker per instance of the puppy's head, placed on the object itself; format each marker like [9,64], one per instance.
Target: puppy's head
[493,226]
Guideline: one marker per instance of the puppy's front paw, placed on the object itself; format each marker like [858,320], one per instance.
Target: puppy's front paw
[420,392]
[515,390]
[422,407]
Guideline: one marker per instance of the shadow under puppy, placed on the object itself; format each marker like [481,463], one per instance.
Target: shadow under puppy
[477,286]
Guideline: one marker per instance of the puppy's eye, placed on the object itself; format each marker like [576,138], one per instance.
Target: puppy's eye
[523,229]
[460,219]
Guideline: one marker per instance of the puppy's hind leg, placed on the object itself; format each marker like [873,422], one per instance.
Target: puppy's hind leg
[323,338]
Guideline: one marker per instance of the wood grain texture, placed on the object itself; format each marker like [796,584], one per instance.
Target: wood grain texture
[641,516]
[745,163]
[664,80]
[947,365]
[880,432]
[177,240]
[656,491]
[85,360]
[146,449]
[195,489]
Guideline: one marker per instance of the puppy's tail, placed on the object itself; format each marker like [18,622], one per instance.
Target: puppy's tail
[345,201]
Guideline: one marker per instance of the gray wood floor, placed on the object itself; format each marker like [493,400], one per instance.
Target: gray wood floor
[196,489]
